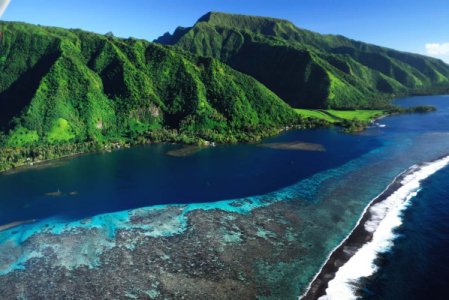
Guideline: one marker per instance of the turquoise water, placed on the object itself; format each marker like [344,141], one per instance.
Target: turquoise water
[330,189]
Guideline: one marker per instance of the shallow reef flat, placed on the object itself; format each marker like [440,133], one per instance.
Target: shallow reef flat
[184,151]
[295,146]
[161,253]
[266,247]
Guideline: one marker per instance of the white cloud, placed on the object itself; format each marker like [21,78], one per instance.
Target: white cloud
[439,50]
[3,6]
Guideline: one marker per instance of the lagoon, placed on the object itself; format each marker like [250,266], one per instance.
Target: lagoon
[282,211]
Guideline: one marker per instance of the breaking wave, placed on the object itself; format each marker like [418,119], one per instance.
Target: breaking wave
[384,216]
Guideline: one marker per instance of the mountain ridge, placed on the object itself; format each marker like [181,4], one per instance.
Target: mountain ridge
[88,86]
[66,91]
[350,73]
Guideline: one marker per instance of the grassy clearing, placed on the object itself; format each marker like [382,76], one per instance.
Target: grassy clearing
[316,114]
[60,132]
[360,115]
[22,137]
[336,116]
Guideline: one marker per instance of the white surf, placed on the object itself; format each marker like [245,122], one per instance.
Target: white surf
[385,218]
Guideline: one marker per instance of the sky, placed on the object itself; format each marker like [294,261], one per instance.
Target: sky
[409,25]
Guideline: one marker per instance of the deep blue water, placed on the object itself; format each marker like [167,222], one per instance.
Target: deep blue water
[417,267]
[145,176]
[339,183]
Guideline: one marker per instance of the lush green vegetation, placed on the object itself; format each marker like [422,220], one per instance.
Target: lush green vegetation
[69,91]
[309,70]
[413,109]
[64,92]
[22,136]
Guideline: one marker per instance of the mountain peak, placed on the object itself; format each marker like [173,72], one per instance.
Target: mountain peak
[308,69]
[240,21]
[255,24]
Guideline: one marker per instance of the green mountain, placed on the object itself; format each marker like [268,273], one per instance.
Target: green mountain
[68,86]
[307,69]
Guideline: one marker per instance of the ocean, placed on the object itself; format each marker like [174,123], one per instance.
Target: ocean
[416,265]
[365,254]
[319,197]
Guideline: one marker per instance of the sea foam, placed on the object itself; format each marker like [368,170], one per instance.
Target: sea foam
[385,218]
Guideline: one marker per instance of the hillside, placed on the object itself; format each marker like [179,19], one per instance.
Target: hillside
[307,69]
[60,85]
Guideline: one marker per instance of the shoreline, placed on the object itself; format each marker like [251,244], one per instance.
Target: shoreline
[42,163]
[354,241]
[34,164]
[31,164]
[318,284]
[110,147]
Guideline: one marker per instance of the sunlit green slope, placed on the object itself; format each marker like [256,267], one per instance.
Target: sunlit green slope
[307,69]
[69,86]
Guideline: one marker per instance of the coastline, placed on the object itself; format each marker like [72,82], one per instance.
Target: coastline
[31,164]
[376,154]
[42,163]
[115,146]
[318,284]
[355,240]
[109,147]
